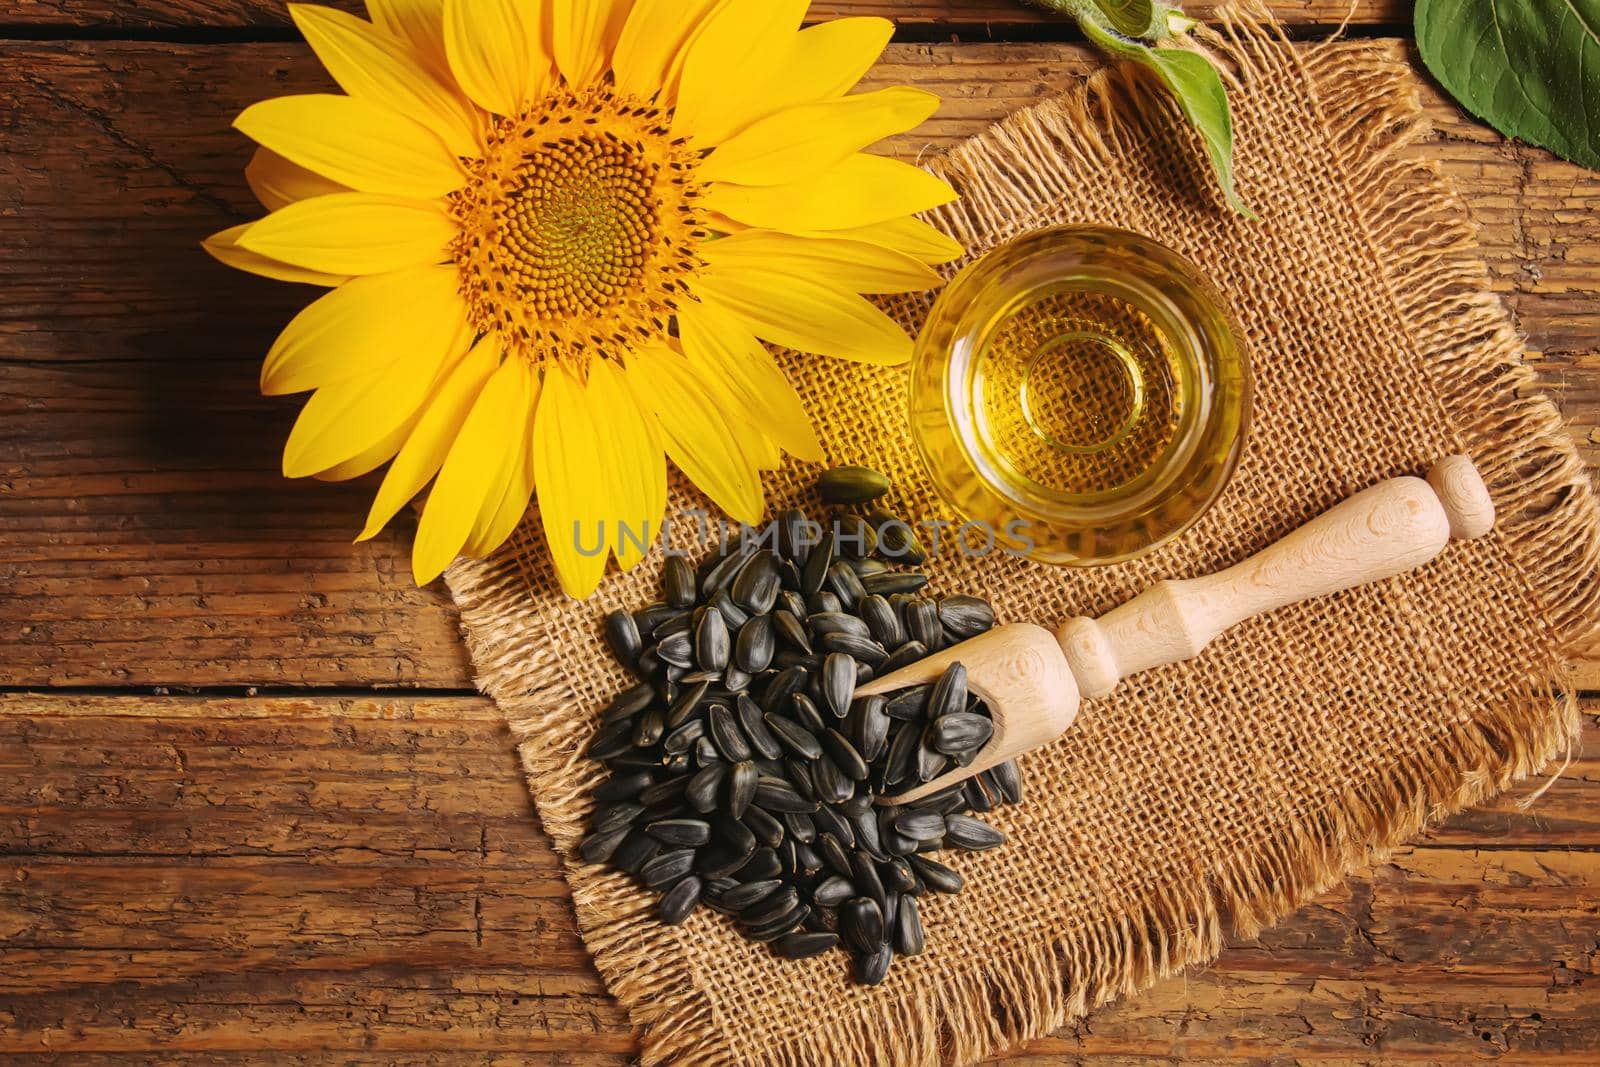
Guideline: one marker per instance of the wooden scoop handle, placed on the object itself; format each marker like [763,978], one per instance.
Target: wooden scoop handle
[1387,530]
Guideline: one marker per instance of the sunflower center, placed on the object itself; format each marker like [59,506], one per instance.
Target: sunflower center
[578,229]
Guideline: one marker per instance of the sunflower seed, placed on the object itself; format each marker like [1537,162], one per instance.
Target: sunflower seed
[880,621]
[904,656]
[861,923]
[834,854]
[723,573]
[648,618]
[784,684]
[895,582]
[869,837]
[636,850]
[804,946]
[908,937]
[751,894]
[899,877]
[683,833]
[974,835]
[815,571]
[949,693]
[832,784]
[622,634]
[755,728]
[704,786]
[782,925]
[611,741]
[800,826]
[1009,780]
[861,648]
[599,847]
[667,868]
[622,787]
[616,816]
[966,616]
[762,864]
[896,539]
[920,825]
[851,485]
[793,603]
[975,795]
[844,584]
[798,773]
[687,703]
[794,737]
[666,791]
[628,703]
[756,588]
[711,643]
[730,740]
[649,727]
[754,648]
[864,874]
[837,622]
[796,535]
[676,649]
[838,683]
[775,794]
[805,710]
[821,603]
[680,901]
[678,583]
[871,721]
[930,761]
[856,538]
[731,613]
[768,830]
[961,733]
[770,907]
[742,781]
[843,753]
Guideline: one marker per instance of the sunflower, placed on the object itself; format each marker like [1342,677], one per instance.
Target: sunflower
[556,235]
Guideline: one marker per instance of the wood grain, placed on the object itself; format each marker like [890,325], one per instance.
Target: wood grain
[146,536]
[301,879]
[979,17]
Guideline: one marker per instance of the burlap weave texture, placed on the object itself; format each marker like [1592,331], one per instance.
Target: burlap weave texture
[1212,796]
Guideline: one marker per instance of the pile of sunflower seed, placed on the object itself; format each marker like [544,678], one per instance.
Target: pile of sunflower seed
[743,766]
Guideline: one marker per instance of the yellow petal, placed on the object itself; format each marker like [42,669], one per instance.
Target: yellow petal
[853,265]
[496,51]
[420,23]
[224,247]
[697,435]
[730,63]
[372,458]
[364,326]
[344,420]
[584,33]
[746,377]
[806,315]
[503,512]
[428,444]
[858,192]
[355,142]
[278,183]
[649,51]
[371,63]
[571,476]
[806,140]
[355,233]
[827,60]
[487,444]
[637,467]
[908,235]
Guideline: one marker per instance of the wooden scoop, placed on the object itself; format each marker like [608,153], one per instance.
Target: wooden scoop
[1032,679]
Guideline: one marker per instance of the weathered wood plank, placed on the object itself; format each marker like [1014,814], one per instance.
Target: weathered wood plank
[365,879]
[966,16]
[146,537]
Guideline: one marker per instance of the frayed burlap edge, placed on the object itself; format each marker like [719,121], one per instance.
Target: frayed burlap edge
[1424,251]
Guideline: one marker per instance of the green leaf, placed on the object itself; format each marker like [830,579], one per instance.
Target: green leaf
[1529,68]
[1200,93]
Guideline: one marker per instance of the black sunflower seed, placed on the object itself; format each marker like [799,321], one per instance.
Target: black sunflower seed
[963,732]
[864,874]
[754,649]
[676,649]
[856,538]
[838,683]
[975,794]
[871,726]
[881,622]
[834,854]
[768,830]
[720,859]
[725,732]
[784,684]
[779,927]
[756,588]
[899,877]
[1008,778]
[683,833]
[704,787]
[837,622]
[653,615]
[904,656]
[722,574]
[872,968]
[861,923]
[829,821]
[922,623]
[832,784]
[966,616]
[903,750]
[777,795]
[949,694]
[794,737]
[843,753]
[742,781]
[622,634]
[800,826]
[805,712]
[791,601]
[731,613]
[649,727]
[821,604]
[611,741]
[769,907]
[755,728]
[804,945]
[762,864]
[791,632]
[920,825]
[895,582]
[869,836]
[844,584]
[678,584]
[622,787]
[616,816]
[666,791]
[628,703]
[667,868]
[680,901]
[683,738]
[798,772]
[861,648]
[908,937]
[974,835]
[930,761]
[796,535]
[598,847]
[852,485]
[687,703]
[896,539]
[815,571]
[711,643]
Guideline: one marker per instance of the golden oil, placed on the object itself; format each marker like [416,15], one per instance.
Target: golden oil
[1082,392]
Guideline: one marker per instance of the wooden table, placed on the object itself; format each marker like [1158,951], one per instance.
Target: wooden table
[249,804]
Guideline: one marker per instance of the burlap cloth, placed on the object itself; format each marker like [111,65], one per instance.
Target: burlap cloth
[1203,798]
